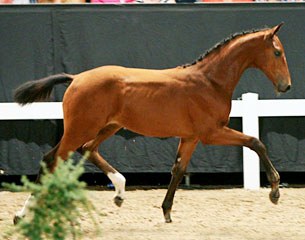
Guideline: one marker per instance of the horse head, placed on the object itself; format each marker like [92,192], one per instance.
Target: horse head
[272,61]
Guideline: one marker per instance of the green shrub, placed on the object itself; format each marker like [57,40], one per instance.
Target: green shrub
[55,210]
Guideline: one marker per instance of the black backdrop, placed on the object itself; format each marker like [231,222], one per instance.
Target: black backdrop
[37,40]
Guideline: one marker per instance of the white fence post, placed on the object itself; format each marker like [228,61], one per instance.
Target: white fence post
[250,126]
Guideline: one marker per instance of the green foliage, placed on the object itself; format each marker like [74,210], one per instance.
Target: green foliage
[54,211]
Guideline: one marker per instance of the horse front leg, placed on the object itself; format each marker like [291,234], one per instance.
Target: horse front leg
[184,153]
[227,136]
[272,175]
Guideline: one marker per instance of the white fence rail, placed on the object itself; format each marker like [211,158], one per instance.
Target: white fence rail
[249,109]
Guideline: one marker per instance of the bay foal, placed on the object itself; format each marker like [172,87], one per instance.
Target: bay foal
[192,102]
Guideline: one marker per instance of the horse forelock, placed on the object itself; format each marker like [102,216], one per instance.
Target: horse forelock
[222,43]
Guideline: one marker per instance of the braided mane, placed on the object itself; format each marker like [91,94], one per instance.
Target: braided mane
[222,43]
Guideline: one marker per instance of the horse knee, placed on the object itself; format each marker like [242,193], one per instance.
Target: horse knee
[178,169]
[175,169]
[87,147]
[257,146]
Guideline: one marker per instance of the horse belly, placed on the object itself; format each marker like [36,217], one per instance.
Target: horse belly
[157,121]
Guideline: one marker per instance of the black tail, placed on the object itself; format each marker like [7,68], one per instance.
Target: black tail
[39,90]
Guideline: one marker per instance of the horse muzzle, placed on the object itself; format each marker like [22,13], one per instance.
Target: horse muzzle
[283,87]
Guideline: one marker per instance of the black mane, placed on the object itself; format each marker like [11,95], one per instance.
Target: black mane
[222,43]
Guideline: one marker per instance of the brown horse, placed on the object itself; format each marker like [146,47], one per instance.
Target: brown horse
[192,102]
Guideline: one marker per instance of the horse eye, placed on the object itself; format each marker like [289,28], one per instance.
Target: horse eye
[277,53]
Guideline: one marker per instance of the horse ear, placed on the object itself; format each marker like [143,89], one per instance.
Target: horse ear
[276,28]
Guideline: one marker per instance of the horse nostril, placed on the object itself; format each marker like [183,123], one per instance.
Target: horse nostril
[288,87]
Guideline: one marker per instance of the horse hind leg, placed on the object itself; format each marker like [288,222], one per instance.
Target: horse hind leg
[116,178]
[49,160]
[62,149]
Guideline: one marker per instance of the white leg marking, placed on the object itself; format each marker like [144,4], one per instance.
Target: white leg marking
[118,181]
[25,207]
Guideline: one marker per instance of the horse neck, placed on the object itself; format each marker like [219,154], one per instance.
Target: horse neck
[225,66]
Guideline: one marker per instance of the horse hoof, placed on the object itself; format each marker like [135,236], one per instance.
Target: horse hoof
[167,217]
[118,201]
[274,196]
[17,219]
